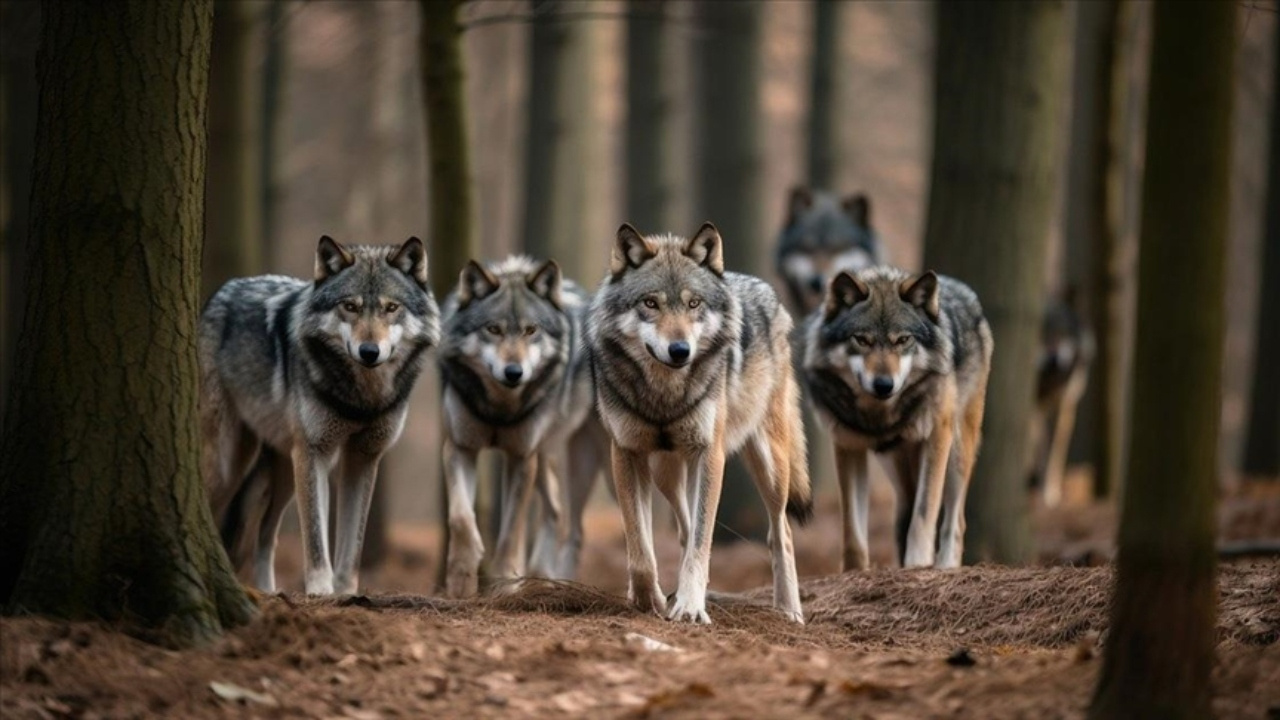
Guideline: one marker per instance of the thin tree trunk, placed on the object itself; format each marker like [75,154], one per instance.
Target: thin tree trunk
[449,168]
[650,117]
[826,153]
[102,511]
[20,32]
[273,80]
[233,193]
[999,78]
[727,62]
[1092,236]
[1159,651]
[1262,439]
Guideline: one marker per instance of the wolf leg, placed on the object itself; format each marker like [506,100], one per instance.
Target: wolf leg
[706,474]
[518,485]
[588,455]
[766,456]
[355,493]
[964,452]
[906,464]
[466,547]
[281,494]
[634,488]
[670,475]
[922,536]
[311,482]
[551,530]
[1063,424]
[855,484]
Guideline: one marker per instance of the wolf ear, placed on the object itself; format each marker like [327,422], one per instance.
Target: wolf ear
[801,199]
[411,259]
[845,291]
[545,282]
[858,208]
[474,283]
[707,249]
[922,292]
[331,258]
[630,251]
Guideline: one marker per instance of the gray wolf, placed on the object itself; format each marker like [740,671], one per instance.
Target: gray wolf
[306,382]
[1062,375]
[514,378]
[897,365]
[692,363]
[821,236]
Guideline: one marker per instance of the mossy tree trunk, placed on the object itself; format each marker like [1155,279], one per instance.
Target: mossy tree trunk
[102,510]
[1262,439]
[1000,76]
[728,124]
[452,233]
[1159,651]
[233,189]
[650,117]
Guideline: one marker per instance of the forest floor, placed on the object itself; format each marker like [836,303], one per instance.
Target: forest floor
[980,642]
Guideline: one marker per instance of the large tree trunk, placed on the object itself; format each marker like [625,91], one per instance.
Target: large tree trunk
[233,190]
[999,78]
[448,171]
[727,125]
[1159,651]
[102,511]
[650,117]
[19,33]
[1262,439]
[1092,234]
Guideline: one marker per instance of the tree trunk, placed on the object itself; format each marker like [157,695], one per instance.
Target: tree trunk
[727,67]
[826,152]
[102,511]
[1092,236]
[448,170]
[233,192]
[1262,438]
[273,79]
[999,78]
[20,32]
[650,117]
[1159,652]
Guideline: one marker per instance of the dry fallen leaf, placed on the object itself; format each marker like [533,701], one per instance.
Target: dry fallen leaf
[644,642]
[235,693]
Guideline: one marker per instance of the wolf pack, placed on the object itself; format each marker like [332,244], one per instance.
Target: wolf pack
[671,365]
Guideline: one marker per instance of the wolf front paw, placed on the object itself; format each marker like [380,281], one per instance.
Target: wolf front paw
[647,598]
[462,583]
[686,609]
[795,616]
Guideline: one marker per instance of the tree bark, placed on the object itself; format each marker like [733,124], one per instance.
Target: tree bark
[233,191]
[102,511]
[728,122]
[273,78]
[1159,652]
[1262,438]
[999,78]
[650,117]
[826,152]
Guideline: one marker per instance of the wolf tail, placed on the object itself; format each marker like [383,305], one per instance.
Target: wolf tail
[799,492]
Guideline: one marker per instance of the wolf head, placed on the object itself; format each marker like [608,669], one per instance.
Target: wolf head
[1064,334]
[878,329]
[507,320]
[372,302]
[821,236]
[666,295]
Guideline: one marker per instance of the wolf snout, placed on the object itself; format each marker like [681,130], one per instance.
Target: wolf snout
[882,386]
[816,284]
[679,352]
[369,353]
[512,373]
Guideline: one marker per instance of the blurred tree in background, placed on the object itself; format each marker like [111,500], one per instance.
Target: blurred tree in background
[1159,652]
[1000,76]
[651,126]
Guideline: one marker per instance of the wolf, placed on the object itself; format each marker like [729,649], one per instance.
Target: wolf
[515,378]
[821,236]
[692,363]
[303,382]
[1067,349]
[897,364]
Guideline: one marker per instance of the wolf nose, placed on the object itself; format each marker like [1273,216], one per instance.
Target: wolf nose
[513,373]
[882,386]
[815,283]
[679,351]
[369,352]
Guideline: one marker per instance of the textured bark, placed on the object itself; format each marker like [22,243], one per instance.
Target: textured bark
[102,511]
[233,190]
[1092,235]
[728,122]
[1262,439]
[999,78]
[650,117]
[19,36]
[1159,651]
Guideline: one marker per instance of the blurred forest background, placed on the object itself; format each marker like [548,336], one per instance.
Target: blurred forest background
[317,127]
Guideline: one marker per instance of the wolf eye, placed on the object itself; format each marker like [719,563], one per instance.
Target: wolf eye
[494,329]
[392,307]
[902,341]
[863,340]
[531,330]
[695,303]
[350,307]
[651,303]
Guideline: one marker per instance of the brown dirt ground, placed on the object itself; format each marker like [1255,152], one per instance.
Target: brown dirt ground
[876,643]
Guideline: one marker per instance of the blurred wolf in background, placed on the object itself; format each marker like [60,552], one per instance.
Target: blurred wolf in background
[1066,353]
[692,363]
[515,379]
[897,365]
[301,382]
[822,236]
